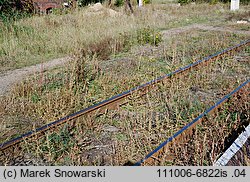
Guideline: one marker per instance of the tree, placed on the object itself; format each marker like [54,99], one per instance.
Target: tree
[9,9]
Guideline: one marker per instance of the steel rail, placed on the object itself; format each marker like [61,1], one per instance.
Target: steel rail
[116,100]
[163,147]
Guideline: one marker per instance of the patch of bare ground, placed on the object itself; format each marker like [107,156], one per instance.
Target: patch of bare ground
[174,31]
[10,78]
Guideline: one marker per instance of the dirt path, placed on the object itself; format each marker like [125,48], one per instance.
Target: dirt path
[175,31]
[9,78]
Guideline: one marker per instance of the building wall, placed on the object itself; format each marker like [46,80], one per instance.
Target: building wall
[44,5]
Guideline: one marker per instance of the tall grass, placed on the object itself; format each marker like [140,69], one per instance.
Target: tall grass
[109,57]
[88,79]
[41,38]
[143,123]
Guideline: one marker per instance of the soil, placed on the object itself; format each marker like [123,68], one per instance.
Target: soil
[8,79]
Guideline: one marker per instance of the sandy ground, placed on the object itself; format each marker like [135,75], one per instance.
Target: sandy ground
[8,79]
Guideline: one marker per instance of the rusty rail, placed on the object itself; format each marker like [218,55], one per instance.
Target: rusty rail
[119,99]
[183,133]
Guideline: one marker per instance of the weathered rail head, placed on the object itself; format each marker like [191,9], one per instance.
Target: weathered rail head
[114,102]
[163,150]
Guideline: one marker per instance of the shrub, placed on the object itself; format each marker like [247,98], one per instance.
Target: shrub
[146,1]
[119,3]
[182,2]
[148,36]
[213,1]
[15,9]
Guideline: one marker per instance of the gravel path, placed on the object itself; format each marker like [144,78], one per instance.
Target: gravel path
[11,77]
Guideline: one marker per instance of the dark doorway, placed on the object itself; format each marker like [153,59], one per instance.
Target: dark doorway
[49,10]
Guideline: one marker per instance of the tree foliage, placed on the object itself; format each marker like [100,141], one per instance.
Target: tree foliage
[11,9]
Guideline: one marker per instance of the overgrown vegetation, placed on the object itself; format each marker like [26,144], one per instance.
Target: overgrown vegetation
[215,135]
[121,53]
[15,9]
[141,124]
[119,3]
[38,39]
[149,36]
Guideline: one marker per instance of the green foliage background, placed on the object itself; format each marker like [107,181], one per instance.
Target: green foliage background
[15,9]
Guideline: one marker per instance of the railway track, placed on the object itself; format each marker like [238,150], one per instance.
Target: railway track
[163,150]
[116,101]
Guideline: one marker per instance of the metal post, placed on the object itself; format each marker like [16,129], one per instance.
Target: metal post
[140,3]
[235,5]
